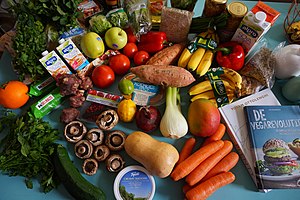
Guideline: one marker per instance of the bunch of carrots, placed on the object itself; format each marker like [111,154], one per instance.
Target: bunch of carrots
[208,168]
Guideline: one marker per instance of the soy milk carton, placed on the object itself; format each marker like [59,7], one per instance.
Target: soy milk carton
[72,55]
[251,29]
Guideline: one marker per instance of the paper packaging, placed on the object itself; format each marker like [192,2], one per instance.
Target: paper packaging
[254,25]
[72,55]
[234,118]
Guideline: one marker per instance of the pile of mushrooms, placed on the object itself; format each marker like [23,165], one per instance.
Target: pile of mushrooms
[95,145]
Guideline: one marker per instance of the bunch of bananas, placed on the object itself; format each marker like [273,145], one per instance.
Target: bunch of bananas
[232,81]
[198,60]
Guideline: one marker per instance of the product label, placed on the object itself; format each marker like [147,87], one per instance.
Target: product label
[143,93]
[54,64]
[72,55]
[103,98]
[42,86]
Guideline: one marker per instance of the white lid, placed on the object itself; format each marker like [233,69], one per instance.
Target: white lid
[62,40]
[260,16]
[136,180]
[44,53]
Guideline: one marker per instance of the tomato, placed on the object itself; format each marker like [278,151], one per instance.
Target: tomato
[130,36]
[13,94]
[141,57]
[103,76]
[119,63]
[130,49]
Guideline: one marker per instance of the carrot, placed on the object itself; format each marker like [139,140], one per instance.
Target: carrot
[189,164]
[166,75]
[217,135]
[226,164]
[166,56]
[187,149]
[186,188]
[202,169]
[203,190]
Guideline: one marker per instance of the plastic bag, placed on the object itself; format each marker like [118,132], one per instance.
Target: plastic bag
[118,17]
[138,16]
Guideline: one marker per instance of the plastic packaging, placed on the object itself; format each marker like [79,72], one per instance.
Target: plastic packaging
[135,180]
[43,86]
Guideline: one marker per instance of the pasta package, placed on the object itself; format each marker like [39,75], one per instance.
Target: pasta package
[176,24]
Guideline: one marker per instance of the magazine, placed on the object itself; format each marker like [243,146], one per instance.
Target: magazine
[234,118]
[275,145]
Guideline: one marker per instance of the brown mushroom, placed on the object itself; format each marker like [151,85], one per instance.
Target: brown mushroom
[83,149]
[74,131]
[95,136]
[115,140]
[114,163]
[101,153]
[90,166]
[107,119]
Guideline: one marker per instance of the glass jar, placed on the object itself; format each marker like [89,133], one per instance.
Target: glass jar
[236,12]
[214,7]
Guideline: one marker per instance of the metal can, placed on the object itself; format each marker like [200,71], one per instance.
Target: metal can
[214,7]
[236,12]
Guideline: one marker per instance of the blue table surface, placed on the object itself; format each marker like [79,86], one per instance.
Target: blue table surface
[13,188]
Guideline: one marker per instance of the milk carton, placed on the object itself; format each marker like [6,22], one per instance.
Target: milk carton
[54,64]
[251,29]
[72,55]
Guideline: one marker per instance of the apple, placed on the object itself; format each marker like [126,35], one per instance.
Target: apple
[115,38]
[92,45]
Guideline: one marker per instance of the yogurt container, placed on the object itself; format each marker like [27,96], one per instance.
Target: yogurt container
[134,180]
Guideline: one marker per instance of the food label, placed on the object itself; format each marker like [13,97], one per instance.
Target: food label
[54,64]
[42,86]
[72,55]
[103,98]
[143,93]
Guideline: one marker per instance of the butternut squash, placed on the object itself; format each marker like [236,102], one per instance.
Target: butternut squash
[157,157]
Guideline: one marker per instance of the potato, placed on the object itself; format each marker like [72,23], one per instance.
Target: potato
[157,157]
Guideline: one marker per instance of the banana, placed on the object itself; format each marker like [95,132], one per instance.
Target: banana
[205,86]
[184,58]
[205,63]
[233,76]
[196,59]
[186,54]
[206,95]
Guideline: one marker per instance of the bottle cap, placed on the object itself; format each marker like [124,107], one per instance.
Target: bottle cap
[260,16]
[237,9]
[61,41]
[44,53]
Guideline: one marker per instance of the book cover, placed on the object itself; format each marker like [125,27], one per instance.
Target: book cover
[275,145]
[234,118]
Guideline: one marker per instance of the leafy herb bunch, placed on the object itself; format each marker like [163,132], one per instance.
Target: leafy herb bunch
[33,19]
[27,149]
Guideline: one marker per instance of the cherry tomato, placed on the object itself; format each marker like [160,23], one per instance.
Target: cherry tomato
[103,76]
[130,36]
[130,49]
[119,63]
[141,57]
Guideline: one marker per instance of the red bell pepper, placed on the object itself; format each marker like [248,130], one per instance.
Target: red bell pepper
[152,42]
[231,55]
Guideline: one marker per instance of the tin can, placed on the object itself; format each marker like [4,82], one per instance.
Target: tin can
[214,7]
[236,12]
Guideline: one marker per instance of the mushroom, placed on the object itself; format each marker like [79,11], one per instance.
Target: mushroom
[107,119]
[115,140]
[83,149]
[114,163]
[90,166]
[95,136]
[74,131]
[101,153]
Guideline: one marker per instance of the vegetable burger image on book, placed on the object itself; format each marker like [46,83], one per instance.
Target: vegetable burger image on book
[278,158]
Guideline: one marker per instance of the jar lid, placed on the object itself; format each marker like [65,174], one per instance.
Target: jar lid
[219,1]
[135,180]
[237,9]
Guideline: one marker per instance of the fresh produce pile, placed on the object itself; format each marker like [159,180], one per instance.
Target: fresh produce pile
[150,68]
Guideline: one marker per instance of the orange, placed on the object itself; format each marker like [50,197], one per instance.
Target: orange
[13,94]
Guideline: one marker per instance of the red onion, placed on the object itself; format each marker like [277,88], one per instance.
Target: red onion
[148,118]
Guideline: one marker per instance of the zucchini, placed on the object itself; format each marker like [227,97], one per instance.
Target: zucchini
[71,178]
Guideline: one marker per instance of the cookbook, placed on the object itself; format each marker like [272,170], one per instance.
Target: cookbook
[275,145]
